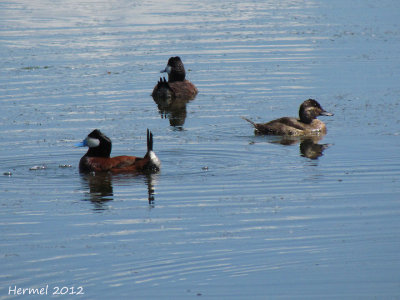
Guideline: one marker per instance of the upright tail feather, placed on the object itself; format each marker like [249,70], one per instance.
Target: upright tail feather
[154,163]
[149,141]
[163,83]
[250,121]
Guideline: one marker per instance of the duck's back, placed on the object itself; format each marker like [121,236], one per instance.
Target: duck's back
[174,90]
[291,126]
[115,164]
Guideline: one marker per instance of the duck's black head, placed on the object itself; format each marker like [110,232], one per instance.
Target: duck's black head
[98,143]
[310,110]
[175,69]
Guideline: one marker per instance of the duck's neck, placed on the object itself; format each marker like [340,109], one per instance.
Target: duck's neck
[103,151]
[176,76]
[306,119]
[307,115]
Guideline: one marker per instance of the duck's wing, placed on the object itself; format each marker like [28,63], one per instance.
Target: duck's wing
[113,164]
[281,126]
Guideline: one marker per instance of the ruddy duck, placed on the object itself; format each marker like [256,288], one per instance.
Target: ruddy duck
[177,87]
[307,124]
[98,159]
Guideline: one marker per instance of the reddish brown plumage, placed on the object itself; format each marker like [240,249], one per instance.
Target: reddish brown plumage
[174,90]
[117,164]
[97,158]
[183,89]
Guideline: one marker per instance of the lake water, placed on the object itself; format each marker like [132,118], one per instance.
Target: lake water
[231,215]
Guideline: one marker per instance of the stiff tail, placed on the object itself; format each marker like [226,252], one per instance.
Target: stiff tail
[149,141]
[153,164]
[163,83]
[250,121]
[162,90]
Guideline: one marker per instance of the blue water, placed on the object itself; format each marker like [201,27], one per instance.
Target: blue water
[231,215]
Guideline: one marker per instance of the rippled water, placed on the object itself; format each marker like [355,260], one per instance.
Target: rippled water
[231,215]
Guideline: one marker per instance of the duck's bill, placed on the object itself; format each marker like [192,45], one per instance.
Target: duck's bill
[81,144]
[326,113]
[167,69]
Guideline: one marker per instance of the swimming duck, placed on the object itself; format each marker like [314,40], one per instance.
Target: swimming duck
[307,124]
[98,159]
[177,87]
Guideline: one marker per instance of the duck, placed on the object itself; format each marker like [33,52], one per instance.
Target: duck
[177,86]
[306,124]
[97,158]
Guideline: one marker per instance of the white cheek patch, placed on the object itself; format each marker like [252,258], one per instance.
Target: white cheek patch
[168,69]
[92,143]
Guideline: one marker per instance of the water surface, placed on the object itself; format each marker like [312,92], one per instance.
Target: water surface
[230,215]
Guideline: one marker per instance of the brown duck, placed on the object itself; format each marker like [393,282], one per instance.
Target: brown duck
[306,124]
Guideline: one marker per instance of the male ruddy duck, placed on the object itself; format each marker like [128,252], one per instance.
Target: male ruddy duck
[177,87]
[307,124]
[98,159]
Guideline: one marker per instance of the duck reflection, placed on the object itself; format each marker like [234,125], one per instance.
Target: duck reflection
[150,182]
[309,146]
[172,108]
[100,187]
[310,149]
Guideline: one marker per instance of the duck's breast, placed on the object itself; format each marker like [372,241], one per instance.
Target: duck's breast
[183,89]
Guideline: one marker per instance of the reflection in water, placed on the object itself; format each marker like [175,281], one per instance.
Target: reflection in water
[150,180]
[100,187]
[172,108]
[309,146]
